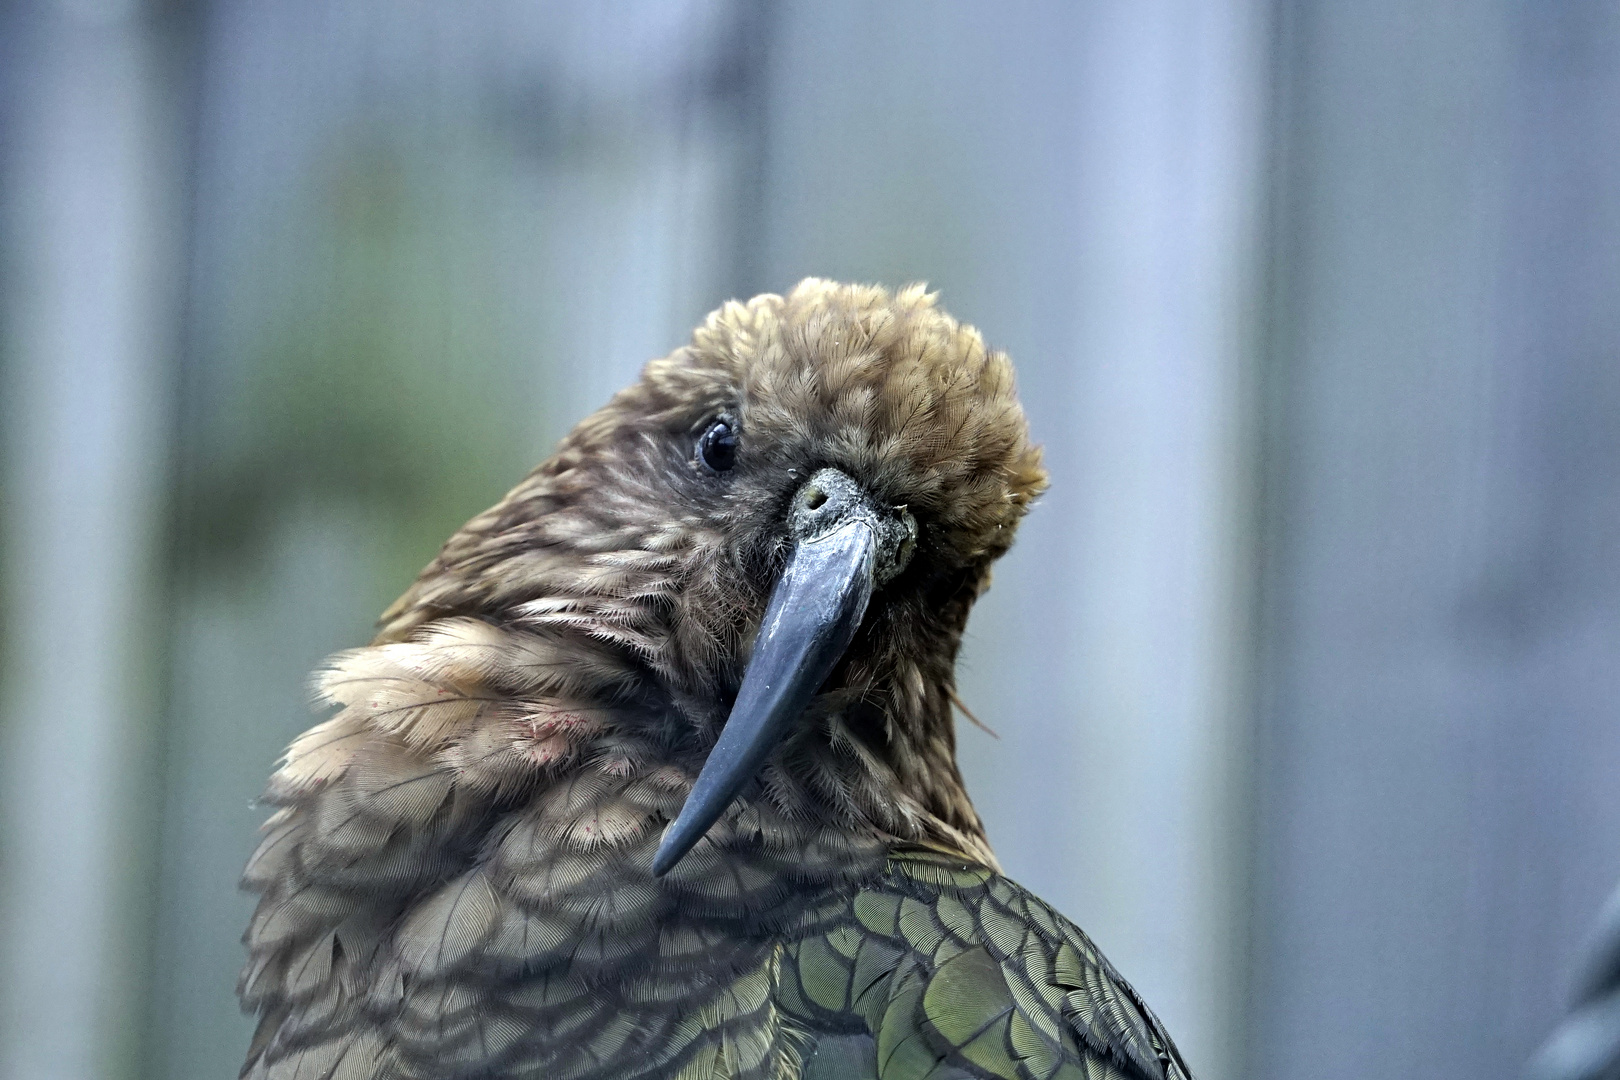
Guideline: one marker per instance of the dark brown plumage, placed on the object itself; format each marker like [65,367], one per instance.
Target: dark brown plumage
[458,878]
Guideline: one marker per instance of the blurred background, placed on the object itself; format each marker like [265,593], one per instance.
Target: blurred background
[1306,671]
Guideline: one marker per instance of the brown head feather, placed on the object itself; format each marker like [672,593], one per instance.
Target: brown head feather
[621,552]
[621,569]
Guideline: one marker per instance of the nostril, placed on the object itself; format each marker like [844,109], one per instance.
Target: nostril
[814,498]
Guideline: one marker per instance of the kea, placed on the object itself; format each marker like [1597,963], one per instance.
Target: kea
[651,773]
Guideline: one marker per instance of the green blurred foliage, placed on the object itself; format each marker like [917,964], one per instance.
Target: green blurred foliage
[382,394]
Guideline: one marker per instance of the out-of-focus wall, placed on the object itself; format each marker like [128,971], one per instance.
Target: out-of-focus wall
[91,245]
[1301,671]
[1438,804]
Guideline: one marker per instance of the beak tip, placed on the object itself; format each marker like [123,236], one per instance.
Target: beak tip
[665,858]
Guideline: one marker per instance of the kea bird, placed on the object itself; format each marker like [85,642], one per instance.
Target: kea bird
[652,771]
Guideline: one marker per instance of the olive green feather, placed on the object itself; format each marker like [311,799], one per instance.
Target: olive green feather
[953,970]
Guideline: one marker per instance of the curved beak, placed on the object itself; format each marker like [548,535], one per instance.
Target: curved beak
[845,547]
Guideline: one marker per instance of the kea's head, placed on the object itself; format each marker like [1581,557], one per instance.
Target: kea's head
[781,526]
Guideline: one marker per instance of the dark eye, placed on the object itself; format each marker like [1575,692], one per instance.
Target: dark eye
[718,447]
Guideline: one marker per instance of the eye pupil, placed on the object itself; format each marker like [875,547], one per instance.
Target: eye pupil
[718,447]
